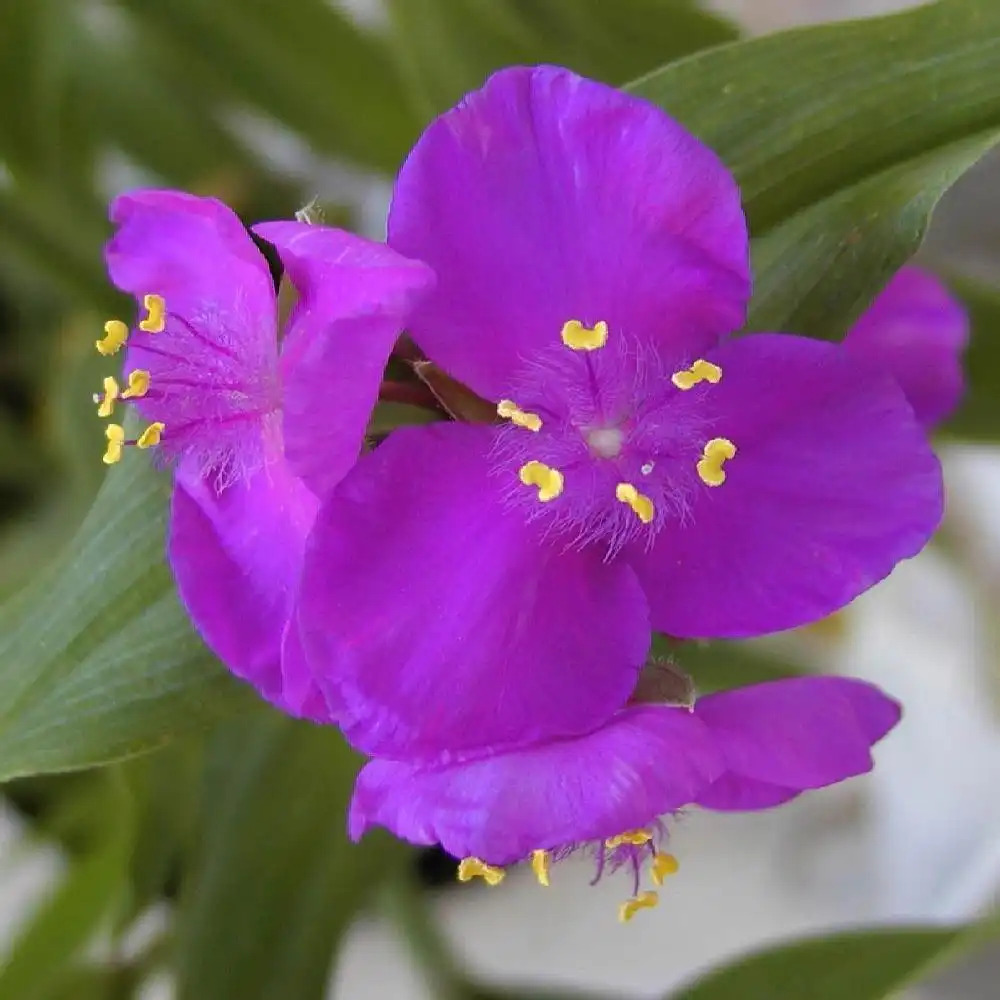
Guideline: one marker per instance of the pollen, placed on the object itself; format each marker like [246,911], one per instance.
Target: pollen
[700,371]
[150,437]
[548,480]
[540,866]
[640,504]
[470,868]
[156,314]
[644,901]
[115,435]
[578,337]
[509,410]
[716,453]
[115,335]
[634,838]
[106,402]
[662,866]
[138,384]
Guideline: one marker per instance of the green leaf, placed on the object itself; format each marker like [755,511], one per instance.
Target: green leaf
[275,881]
[97,659]
[979,414]
[305,64]
[93,887]
[841,169]
[448,47]
[864,965]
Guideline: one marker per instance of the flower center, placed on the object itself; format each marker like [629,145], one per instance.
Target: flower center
[605,442]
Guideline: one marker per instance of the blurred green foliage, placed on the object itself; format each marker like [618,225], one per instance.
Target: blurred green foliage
[240,831]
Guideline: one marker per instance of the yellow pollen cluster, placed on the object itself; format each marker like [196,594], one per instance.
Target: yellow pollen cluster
[115,435]
[115,335]
[662,866]
[644,901]
[641,504]
[700,371]
[634,838]
[156,309]
[578,337]
[540,866]
[106,402]
[716,453]
[509,410]
[470,868]
[548,480]
[138,384]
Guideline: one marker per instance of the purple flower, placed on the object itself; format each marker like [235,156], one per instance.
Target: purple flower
[606,791]
[474,587]
[917,331]
[258,431]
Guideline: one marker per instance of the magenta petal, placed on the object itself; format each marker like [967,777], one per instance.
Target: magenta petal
[300,694]
[213,368]
[236,555]
[354,299]
[801,733]
[441,621]
[917,331]
[545,197]
[735,793]
[833,483]
[645,762]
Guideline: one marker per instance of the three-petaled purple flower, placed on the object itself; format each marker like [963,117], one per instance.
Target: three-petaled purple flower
[476,586]
[258,432]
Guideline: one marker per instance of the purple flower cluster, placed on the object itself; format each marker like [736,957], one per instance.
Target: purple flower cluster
[473,603]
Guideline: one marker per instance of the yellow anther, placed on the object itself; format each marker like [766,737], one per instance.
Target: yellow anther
[106,405]
[138,384]
[150,436]
[662,866]
[549,481]
[156,309]
[581,338]
[470,868]
[540,866]
[717,452]
[509,410]
[115,334]
[700,371]
[115,434]
[635,838]
[644,901]
[641,504]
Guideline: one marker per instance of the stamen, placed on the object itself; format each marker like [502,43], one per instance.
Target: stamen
[716,453]
[470,868]
[578,337]
[641,504]
[150,436]
[106,402]
[115,335]
[540,866]
[156,320]
[138,384]
[644,901]
[115,434]
[700,371]
[662,866]
[634,838]
[509,410]
[549,481]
